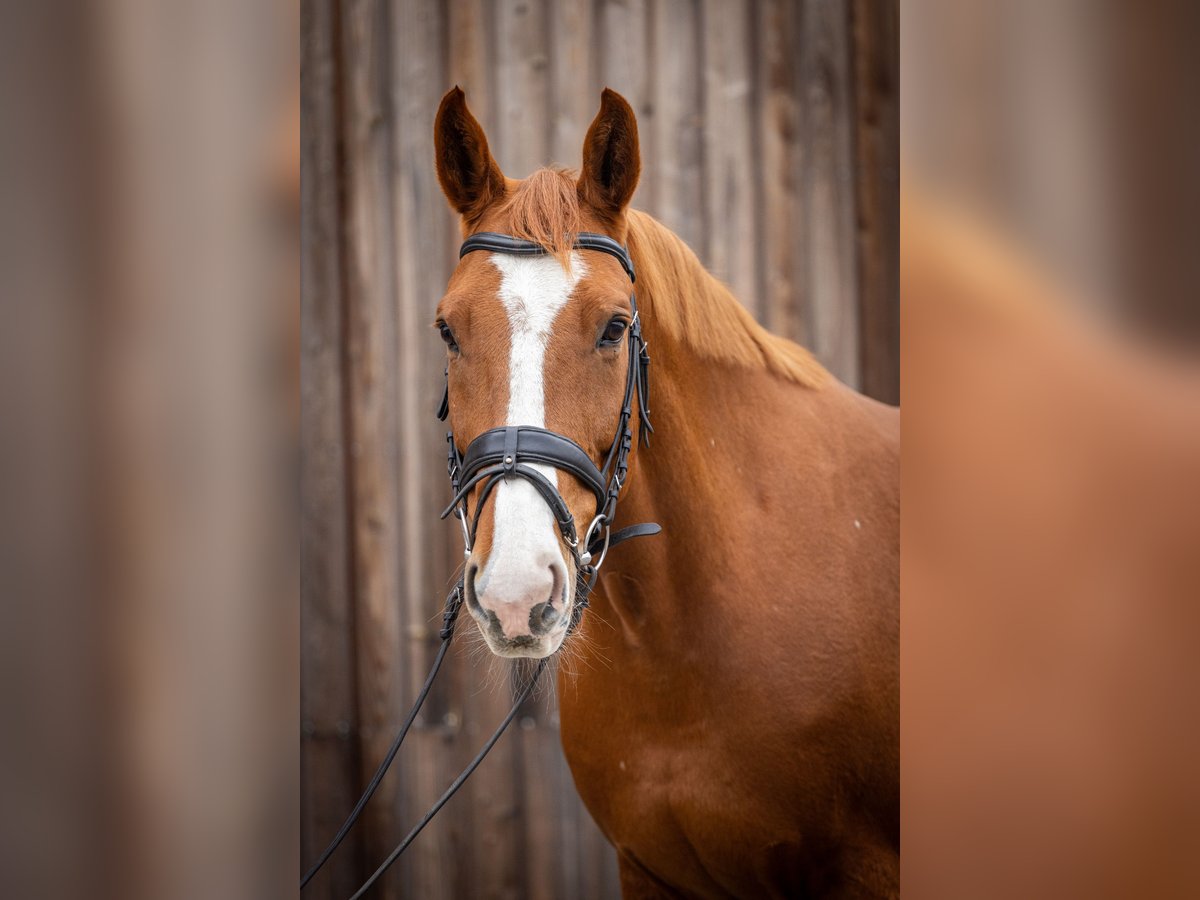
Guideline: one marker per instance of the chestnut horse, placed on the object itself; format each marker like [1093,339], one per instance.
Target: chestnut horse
[732,723]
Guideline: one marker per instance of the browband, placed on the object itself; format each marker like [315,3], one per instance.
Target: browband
[585,240]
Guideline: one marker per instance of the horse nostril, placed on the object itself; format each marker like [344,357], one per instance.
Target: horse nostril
[543,617]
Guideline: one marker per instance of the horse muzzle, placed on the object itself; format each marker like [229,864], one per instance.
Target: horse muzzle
[522,610]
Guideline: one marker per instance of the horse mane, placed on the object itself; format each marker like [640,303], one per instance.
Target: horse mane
[673,287]
[696,309]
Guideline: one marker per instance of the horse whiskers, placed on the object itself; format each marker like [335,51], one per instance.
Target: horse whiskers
[571,653]
[477,649]
[577,650]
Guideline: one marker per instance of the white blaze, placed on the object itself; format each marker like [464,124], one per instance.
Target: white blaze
[533,289]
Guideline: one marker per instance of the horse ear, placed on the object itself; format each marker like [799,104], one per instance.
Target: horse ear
[469,176]
[611,161]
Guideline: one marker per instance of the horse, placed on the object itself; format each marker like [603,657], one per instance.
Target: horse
[731,716]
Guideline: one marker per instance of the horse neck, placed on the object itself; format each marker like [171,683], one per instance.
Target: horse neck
[698,478]
[708,449]
[711,456]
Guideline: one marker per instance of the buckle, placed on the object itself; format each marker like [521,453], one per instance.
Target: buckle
[585,558]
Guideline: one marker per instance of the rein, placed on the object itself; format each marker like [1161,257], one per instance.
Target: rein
[511,452]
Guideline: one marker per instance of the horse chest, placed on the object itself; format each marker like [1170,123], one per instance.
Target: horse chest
[671,800]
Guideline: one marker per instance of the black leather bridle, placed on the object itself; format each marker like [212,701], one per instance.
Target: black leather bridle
[511,452]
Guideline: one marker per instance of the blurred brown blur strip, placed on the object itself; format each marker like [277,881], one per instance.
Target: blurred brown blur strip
[54,754]
[148,335]
[1051,470]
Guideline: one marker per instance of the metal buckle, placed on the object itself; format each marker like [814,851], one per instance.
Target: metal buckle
[585,558]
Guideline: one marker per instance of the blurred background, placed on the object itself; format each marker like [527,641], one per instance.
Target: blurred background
[769,140]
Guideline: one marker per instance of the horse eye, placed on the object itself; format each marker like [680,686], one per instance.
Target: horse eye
[613,332]
[447,336]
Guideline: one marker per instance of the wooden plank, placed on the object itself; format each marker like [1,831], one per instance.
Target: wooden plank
[574,91]
[624,64]
[470,63]
[494,791]
[542,771]
[370,318]
[674,171]
[470,25]
[545,780]
[779,168]
[522,56]
[424,258]
[827,244]
[623,41]
[329,755]
[331,786]
[877,145]
[729,120]
[567,809]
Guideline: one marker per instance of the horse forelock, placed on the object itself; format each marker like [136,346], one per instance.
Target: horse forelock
[544,208]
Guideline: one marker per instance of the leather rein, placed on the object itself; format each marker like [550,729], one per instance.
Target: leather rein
[512,452]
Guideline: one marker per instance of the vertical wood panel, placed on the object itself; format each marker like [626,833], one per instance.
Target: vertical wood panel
[827,209]
[522,54]
[540,753]
[330,771]
[677,167]
[779,168]
[371,341]
[422,233]
[573,92]
[729,147]
[876,90]
[624,65]
[470,64]
[769,140]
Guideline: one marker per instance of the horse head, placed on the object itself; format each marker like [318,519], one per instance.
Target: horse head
[541,340]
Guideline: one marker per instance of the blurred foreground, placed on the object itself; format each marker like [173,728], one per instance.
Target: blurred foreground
[149,284]
[1051,471]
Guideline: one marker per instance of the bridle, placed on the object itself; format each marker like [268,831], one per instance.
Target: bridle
[512,452]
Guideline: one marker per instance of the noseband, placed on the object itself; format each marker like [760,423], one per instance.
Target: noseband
[511,451]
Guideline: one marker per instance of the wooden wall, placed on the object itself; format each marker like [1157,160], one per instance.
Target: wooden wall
[769,141]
